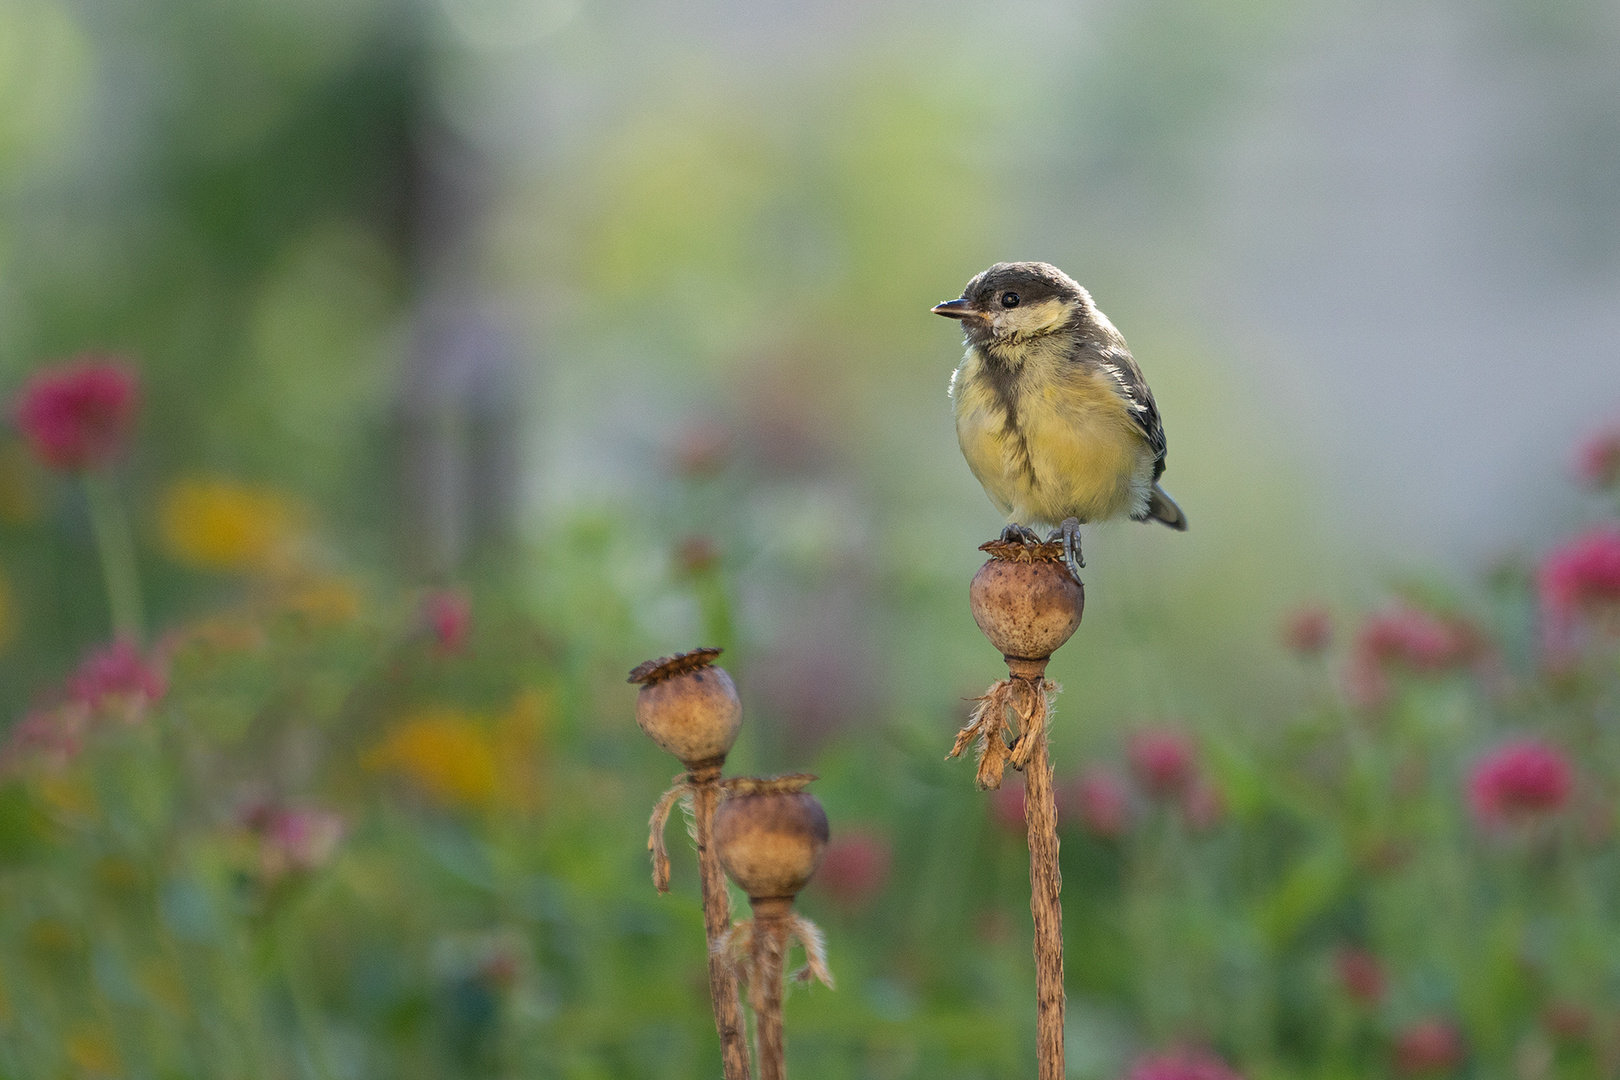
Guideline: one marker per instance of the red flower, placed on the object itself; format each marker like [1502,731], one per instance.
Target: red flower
[993,926]
[501,968]
[1007,807]
[1580,574]
[1182,1064]
[1597,459]
[1203,806]
[78,415]
[113,682]
[118,676]
[1361,975]
[448,613]
[697,555]
[702,450]
[1518,780]
[1568,1021]
[1164,761]
[1404,638]
[1428,1048]
[854,869]
[1308,631]
[293,838]
[51,736]
[1100,799]
[1416,640]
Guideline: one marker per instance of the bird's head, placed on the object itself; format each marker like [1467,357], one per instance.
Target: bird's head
[1013,302]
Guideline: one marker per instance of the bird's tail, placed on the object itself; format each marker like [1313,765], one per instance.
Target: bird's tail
[1162,507]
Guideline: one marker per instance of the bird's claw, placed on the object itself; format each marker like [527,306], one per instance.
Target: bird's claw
[1069,534]
[1019,534]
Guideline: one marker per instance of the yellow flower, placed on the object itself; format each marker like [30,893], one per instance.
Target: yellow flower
[69,794]
[50,935]
[327,601]
[520,736]
[445,752]
[219,524]
[229,632]
[165,987]
[92,1052]
[118,875]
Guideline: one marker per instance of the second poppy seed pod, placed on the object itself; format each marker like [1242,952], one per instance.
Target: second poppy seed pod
[1025,600]
[771,843]
[688,706]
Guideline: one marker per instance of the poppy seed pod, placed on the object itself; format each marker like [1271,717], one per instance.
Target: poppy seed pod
[771,843]
[1025,600]
[688,706]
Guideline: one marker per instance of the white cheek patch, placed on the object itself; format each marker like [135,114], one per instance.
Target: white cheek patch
[1031,319]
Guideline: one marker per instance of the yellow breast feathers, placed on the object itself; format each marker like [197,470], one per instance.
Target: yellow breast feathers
[1050,437]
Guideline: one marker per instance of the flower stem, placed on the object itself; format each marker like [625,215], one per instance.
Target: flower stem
[770,945]
[728,1020]
[1045,882]
[116,547]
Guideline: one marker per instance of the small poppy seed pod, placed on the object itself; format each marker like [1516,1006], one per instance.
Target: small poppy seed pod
[771,843]
[688,706]
[1025,600]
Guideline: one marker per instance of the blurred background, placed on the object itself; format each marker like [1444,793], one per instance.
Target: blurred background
[477,350]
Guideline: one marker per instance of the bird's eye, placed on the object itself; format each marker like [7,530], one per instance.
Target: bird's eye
[1009,299]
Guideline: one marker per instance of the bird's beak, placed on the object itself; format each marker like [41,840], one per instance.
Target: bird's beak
[956,309]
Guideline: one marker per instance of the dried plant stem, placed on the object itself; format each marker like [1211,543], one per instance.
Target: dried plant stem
[1028,601]
[768,947]
[728,1020]
[757,949]
[1045,882]
[1027,695]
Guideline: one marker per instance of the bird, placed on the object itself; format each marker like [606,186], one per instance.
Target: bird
[1052,412]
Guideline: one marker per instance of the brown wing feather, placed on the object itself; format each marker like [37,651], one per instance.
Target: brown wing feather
[1121,366]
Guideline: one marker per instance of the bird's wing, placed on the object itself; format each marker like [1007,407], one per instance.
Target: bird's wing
[1121,367]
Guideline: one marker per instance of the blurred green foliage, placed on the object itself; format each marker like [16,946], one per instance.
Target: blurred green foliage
[487,910]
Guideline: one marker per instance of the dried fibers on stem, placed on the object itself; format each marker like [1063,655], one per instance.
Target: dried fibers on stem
[758,950]
[810,936]
[658,822]
[1029,702]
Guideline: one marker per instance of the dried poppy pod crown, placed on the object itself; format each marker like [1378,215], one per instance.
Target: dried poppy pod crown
[688,706]
[1025,600]
[770,842]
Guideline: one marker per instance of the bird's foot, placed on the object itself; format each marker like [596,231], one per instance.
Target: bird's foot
[1019,534]
[1069,534]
